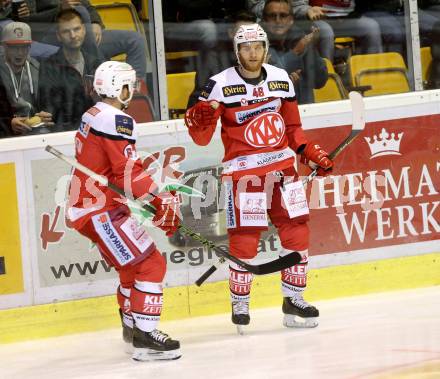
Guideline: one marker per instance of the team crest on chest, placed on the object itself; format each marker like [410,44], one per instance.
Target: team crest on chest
[124,125]
[265,130]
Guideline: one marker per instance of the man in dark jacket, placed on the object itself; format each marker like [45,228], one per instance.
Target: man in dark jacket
[6,113]
[294,51]
[221,57]
[20,76]
[66,77]
[98,40]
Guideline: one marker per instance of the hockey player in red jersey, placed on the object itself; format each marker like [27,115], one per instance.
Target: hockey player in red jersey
[261,133]
[105,143]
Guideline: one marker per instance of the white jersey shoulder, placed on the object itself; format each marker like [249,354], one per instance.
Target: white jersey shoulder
[110,121]
[278,82]
[229,87]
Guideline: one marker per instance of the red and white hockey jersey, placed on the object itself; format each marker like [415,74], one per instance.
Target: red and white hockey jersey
[260,124]
[105,143]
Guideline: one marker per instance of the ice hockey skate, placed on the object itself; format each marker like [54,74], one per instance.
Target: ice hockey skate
[154,346]
[298,313]
[240,315]
[127,335]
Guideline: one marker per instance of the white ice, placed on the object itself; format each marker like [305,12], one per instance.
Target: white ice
[387,335]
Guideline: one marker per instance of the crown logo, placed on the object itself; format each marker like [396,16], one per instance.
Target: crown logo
[384,144]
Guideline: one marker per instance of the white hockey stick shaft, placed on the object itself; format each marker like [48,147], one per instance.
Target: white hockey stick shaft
[262,269]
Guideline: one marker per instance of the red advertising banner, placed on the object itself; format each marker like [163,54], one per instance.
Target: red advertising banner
[384,189]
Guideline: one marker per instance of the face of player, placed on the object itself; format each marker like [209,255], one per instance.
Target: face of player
[251,55]
[125,93]
[277,18]
[16,55]
[71,33]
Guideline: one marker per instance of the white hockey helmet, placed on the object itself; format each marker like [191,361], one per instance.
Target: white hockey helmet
[250,33]
[111,77]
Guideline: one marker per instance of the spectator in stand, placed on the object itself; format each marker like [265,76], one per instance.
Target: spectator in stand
[198,25]
[305,18]
[6,112]
[20,76]
[345,21]
[98,41]
[38,49]
[293,50]
[341,20]
[389,15]
[221,57]
[391,19]
[66,87]
[188,25]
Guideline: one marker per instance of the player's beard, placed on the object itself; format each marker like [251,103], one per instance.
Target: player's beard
[252,66]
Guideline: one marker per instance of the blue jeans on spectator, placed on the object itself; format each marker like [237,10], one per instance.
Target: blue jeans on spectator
[199,35]
[392,26]
[364,30]
[195,35]
[133,44]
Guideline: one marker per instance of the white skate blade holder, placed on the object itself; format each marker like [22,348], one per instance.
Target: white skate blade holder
[240,329]
[128,348]
[294,321]
[148,355]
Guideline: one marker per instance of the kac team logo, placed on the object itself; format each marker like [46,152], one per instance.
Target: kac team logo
[265,130]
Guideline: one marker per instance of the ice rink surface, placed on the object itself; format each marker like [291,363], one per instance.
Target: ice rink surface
[379,336]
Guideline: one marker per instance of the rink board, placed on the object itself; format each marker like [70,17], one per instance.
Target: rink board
[71,317]
[376,206]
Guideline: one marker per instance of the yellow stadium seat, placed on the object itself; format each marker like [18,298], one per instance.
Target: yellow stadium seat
[426,58]
[334,88]
[119,15]
[144,10]
[345,41]
[181,54]
[385,73]
[180,87]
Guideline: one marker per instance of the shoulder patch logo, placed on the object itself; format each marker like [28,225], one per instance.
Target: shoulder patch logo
[84,129]
[124,124]
[93,111]
[207,89]
[237,89]
[278,85]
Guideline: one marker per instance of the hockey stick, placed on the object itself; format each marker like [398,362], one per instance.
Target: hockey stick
[358,124]
[266,268]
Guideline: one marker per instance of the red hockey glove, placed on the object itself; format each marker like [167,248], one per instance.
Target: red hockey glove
[167,215]
[202,115]
[315,156]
